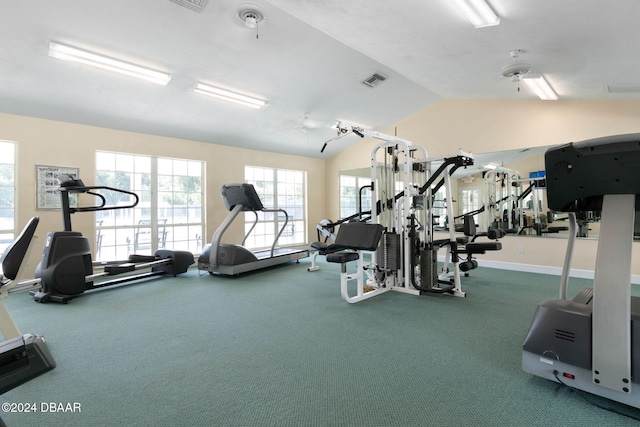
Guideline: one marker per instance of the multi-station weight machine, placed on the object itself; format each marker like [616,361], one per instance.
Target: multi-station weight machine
[403,256]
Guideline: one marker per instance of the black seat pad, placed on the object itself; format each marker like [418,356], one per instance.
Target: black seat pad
[342,257]
[480,248]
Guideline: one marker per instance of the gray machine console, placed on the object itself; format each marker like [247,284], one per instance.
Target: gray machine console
[579,174]
[241,194]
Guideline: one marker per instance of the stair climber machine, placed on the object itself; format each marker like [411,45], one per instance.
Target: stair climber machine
[231,259]
[592,342]
[404,258]
[22,356]
[66,269]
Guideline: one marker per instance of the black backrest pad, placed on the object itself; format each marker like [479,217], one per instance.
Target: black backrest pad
[14,254]
[469,226]
[241,194]
[579,174]
[359,235]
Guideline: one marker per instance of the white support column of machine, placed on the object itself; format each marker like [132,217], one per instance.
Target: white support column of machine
[612,295]
[457,290]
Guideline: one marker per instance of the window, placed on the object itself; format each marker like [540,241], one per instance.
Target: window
[350,192]
[7,194]
[278,189]
[440,207]
[169,213]
[469,201]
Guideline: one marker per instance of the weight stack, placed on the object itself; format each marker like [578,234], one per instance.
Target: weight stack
[388,253]
[429,268]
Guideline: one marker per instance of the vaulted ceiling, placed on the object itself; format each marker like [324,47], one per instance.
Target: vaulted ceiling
[307,58]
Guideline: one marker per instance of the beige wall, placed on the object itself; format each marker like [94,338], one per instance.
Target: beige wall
[473,125]
[492,125]
[46,142]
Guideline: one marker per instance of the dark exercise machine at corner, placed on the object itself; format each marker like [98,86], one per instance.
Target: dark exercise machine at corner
[66,269]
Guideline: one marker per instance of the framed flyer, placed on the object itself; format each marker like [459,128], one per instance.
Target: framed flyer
[47,184]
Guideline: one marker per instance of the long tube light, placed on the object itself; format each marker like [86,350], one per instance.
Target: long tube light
[227,95]
[478,12]
[540,86]
[68,53]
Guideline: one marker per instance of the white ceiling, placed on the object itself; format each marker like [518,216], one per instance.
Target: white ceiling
[310,58]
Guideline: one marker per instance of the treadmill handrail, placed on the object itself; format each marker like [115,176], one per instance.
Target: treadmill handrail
[255,222]
[286,221]
[566,268]
[222,228]
[217,235]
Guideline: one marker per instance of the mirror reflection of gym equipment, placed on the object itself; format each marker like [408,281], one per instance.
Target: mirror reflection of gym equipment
[232,259]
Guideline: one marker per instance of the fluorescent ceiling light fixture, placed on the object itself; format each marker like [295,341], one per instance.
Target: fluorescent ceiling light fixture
[478,12]
[227,95]
[68,53]
[540,86]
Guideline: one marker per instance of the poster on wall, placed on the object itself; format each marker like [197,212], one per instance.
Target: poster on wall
[48,183]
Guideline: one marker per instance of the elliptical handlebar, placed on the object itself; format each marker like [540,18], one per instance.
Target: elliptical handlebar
[69,184]
[101,206]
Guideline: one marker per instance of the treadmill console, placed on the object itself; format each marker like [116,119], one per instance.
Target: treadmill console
[241,194]
[579,174]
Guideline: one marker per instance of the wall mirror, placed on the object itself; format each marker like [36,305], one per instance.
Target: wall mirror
[506,189]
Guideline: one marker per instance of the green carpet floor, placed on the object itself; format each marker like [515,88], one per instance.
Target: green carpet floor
[281,348]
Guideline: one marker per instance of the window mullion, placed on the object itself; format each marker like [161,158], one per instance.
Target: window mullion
[154,204]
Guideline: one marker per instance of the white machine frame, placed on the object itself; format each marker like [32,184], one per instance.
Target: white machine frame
[393,213]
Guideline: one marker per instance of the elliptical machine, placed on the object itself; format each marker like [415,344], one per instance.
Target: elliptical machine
[66,269]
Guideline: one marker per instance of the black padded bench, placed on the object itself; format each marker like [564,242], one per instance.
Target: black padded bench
[353,237]
[473,247]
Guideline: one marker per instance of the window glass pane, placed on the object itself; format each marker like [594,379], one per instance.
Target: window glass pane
[149,226]
[7,194]
[125,162]
[165,166]
[142,164]
[195,169]
[180,167]
[277,189]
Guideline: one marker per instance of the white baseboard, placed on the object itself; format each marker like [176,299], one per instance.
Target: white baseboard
[542,269]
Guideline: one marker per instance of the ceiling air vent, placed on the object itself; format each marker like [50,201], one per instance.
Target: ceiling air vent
[196,5]
[374,80]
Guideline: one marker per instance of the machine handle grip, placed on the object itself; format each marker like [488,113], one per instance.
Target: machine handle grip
[101,206]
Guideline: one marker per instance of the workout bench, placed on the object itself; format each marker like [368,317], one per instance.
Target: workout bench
[353,239]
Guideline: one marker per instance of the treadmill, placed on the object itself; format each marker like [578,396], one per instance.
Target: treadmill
[232,259]
[592,342]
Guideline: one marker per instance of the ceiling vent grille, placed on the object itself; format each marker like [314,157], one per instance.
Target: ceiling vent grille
[374,80]
[196,5]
